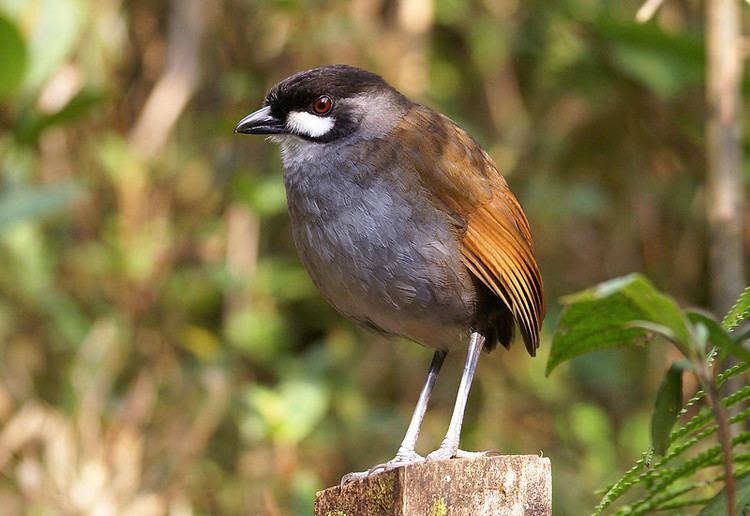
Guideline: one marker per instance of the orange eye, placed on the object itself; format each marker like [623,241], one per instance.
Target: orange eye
[322,105]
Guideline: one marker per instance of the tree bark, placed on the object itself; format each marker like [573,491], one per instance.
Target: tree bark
[725,197]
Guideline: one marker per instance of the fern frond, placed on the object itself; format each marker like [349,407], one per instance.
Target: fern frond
[666,499]
[669,484]
[682,504]
[733,371]
[739,312]
[628,480]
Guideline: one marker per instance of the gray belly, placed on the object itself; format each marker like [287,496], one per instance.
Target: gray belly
[385,262]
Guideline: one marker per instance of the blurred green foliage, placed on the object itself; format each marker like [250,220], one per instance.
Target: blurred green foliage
[691,469]
[162,348]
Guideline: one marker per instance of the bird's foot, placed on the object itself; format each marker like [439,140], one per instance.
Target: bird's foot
[402,458]
[452,452]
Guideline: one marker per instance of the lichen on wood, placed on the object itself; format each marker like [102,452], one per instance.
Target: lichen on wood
[506,485]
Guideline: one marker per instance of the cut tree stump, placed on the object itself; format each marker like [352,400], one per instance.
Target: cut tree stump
[503,485]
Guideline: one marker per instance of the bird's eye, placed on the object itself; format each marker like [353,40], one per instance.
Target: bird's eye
[322,105]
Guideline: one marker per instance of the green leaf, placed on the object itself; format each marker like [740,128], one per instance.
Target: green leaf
[717,506]
[32,203]
[739,312]
[52,29]
[741,337]
[598,318]
[693,456]
[657,329]
[718,335]
[12,57]
[663,62]
[82,104]
[667,407]
[289,412]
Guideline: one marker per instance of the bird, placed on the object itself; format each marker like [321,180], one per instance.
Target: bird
[405,226]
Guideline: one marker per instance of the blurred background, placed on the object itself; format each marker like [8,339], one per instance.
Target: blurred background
[161,348]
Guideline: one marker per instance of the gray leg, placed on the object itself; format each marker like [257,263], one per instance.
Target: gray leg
[406,453]
[449,447]
[406,450]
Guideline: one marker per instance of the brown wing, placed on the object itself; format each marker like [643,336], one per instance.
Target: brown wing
[497,244]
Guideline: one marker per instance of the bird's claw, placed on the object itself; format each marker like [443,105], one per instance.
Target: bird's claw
[401,459]
[449,452]
[354,475]
[411,457]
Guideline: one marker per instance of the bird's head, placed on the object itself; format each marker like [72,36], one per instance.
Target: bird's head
[324,104]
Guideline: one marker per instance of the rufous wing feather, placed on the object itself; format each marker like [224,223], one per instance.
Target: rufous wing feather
[498,252]
[497,244]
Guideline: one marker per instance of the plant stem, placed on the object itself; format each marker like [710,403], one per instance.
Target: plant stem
[723,433]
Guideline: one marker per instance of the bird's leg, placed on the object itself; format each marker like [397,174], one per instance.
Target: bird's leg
[449,446]
[406,453]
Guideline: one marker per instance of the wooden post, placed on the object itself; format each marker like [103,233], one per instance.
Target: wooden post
[505,485]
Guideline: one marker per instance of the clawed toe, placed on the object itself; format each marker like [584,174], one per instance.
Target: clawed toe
[451,453]
[463,454]
[401,459]
[408,458]
[351,477]
[441,454]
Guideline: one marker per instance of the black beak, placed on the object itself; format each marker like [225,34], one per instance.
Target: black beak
[261,122]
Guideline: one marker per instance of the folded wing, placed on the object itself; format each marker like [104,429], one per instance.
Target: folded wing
[497,244]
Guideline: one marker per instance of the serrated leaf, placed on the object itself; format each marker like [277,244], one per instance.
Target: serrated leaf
[739,312]
[666,408]
[12,57]
[598,318]
[717,506]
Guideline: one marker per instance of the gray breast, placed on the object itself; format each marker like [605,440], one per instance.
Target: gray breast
[383,260]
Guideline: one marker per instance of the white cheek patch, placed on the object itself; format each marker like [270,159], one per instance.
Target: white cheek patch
[308,124]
